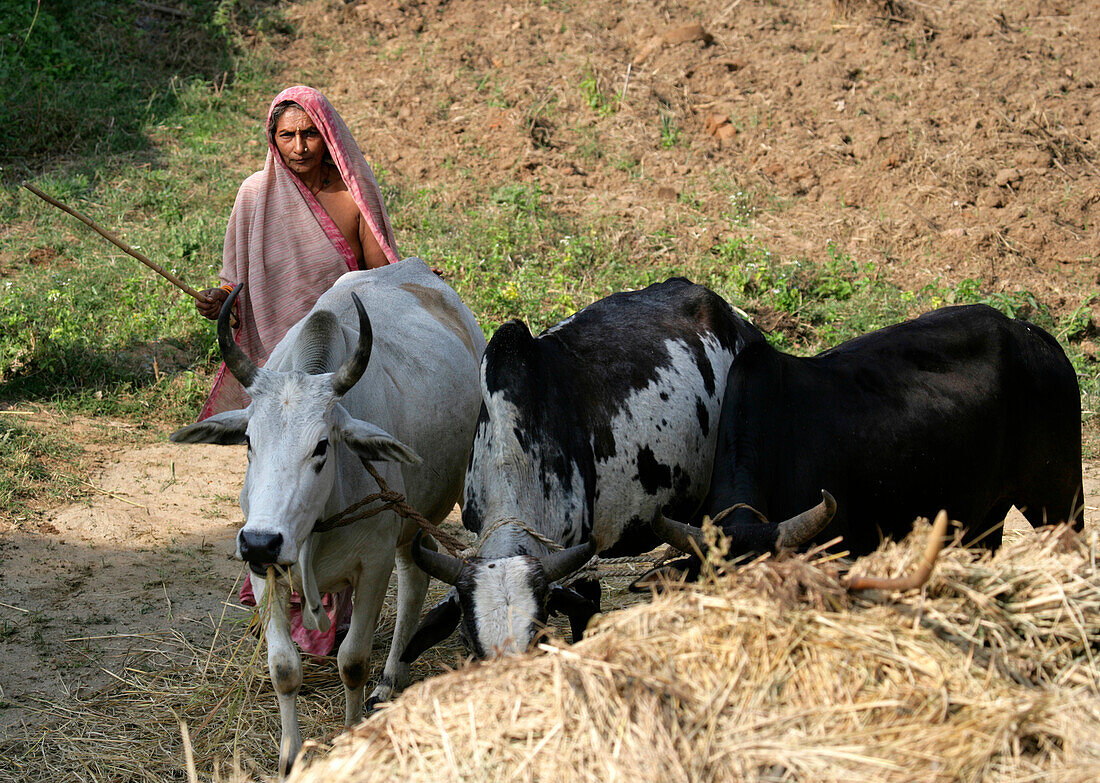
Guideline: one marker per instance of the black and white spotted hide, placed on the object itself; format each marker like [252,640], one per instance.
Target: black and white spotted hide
[587,432]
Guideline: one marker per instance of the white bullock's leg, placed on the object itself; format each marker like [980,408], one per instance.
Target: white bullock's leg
[354,654]
[285,666]
[412,586]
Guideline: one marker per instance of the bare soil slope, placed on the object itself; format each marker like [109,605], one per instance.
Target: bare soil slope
[941,141]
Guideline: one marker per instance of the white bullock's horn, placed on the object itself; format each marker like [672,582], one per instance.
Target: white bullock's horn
[236,360]
[352,369]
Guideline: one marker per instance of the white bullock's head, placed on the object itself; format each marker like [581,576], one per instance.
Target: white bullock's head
[500,604]
[293,426]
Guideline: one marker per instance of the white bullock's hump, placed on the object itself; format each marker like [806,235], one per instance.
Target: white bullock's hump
[406,302]
[382,286]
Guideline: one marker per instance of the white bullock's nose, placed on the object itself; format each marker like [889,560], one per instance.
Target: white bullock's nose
[259,548]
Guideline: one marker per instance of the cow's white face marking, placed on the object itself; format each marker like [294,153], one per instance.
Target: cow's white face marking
[505,611]
[290,468]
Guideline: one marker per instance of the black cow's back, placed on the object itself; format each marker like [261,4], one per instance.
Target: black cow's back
[963,409]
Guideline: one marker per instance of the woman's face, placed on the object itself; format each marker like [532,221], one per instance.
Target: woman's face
[299,142]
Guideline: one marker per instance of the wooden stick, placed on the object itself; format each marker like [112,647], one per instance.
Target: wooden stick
[118,243]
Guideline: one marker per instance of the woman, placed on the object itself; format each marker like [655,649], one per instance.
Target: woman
[313,213]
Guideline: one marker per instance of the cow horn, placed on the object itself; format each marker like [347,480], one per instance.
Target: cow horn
[923,570]
[682,536]
[442,566]
[797,530]
[352,369]
[236,360]
[558,565]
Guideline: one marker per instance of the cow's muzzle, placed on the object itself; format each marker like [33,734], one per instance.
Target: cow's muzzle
[259,549]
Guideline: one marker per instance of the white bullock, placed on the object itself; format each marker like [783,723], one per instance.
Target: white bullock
[318,408]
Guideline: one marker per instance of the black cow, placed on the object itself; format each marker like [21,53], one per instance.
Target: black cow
[962,409]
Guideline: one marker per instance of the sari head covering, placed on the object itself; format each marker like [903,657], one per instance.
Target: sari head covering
[285,247]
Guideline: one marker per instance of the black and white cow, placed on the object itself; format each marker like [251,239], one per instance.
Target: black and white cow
[586,433]
[962,409]
[331,395]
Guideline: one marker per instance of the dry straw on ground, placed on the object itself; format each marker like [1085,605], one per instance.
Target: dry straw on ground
[778,674]
[771,673]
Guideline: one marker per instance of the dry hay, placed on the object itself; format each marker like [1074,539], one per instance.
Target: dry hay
[771,673]
[775,673]
[131,729]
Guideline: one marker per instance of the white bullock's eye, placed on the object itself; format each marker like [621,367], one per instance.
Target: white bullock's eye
[322,449]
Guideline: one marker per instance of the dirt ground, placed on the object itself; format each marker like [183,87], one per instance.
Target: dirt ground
[940,140]
[148,553]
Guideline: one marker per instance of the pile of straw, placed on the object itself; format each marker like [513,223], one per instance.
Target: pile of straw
[772,672]
[130,730]
[776,673]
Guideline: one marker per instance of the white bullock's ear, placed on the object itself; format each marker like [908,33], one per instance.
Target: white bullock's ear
[371,442]
[225,429]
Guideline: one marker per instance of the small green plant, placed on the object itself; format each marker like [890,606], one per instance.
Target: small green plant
[601,102]
[741,209]
[1078,324]
[521,196]
[670,133]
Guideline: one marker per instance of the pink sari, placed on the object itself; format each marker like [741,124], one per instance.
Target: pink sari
[282,243]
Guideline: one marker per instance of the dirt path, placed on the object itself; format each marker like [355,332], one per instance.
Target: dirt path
[101,578]
[104,578]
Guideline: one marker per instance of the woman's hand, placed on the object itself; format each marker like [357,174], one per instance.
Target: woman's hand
[211,303]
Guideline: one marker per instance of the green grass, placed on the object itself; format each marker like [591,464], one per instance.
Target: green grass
[85,79]
[80,321]
[29,466]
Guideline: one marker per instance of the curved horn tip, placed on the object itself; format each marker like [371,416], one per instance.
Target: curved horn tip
[236,360]
[444,567]
[799,529]
[561,564]
[355,365]
[361,311]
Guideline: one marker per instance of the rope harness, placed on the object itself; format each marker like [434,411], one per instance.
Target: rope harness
[394,501]
[475,548]
[723,514]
